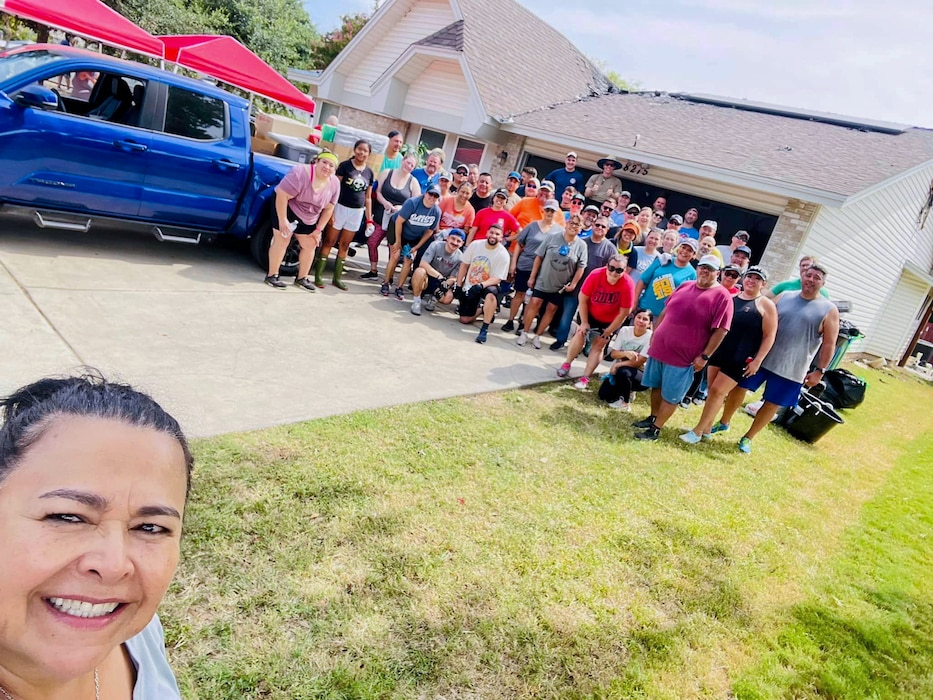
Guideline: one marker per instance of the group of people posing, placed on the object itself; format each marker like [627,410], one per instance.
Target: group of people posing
[670,308]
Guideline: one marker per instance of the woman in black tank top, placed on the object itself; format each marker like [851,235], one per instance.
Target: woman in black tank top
[750,337]
[388,198]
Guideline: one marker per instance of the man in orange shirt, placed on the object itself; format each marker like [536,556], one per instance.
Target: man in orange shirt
[531,208]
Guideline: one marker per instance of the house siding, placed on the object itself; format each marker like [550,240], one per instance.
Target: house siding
[441,88]
[865,247]
[897,325]
[424,18]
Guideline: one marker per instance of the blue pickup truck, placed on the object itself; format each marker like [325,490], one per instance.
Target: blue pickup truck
[85,137]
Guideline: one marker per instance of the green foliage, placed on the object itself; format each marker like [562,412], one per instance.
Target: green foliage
[278,31]
[325,49]
[522,545]
[614,77]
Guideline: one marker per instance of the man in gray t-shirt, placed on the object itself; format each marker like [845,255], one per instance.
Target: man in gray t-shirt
[559,264]
[806,321]
[437,272]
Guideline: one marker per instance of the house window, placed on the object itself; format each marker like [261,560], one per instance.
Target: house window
[432,139]
[325,110]
[468,152]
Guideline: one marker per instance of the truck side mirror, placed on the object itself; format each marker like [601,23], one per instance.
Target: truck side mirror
[37,97]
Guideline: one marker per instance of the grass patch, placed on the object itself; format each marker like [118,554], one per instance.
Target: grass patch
[521,545]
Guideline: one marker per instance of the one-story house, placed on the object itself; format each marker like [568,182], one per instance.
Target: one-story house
[466,75]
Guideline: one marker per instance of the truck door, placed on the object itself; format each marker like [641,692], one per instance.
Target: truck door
[198,163]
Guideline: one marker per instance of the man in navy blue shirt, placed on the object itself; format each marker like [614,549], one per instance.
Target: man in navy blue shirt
[568,176]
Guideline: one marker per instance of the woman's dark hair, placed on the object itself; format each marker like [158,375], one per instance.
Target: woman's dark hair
[643,310]
[28,412]
[393,134]
[362,141]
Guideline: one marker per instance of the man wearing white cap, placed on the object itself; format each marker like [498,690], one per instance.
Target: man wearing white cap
[695,320]
[568,176]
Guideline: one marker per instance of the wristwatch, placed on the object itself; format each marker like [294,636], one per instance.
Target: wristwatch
[821,370]
[705,358]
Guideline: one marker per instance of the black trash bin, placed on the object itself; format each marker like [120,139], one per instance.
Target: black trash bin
[811,418]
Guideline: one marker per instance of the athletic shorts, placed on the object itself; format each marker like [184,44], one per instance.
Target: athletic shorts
[778,390]
[734,370]
[469,303]
[296,225]
[555,298]
[674,382]
[521,280]
[347,219]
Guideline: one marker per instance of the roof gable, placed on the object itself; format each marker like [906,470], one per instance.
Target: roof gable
[498,34]
[450,37]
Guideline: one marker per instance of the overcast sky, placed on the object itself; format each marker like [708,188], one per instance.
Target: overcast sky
[855,57]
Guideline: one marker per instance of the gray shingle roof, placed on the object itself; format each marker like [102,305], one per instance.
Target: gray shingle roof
[450,37]
[791,150]
[499,36]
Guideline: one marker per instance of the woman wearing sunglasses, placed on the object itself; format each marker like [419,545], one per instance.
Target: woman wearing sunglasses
[749,340]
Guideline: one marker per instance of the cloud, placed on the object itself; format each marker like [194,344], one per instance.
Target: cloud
[831,56]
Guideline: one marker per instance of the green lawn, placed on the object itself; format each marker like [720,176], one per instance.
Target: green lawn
[521,545]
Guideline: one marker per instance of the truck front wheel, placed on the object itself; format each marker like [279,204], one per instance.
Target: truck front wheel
[259,246]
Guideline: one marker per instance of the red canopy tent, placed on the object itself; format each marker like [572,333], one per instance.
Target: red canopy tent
[226,59]
[87,18]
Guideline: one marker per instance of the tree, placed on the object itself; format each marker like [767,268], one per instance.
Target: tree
[614,77]
[325,49]
[171,17]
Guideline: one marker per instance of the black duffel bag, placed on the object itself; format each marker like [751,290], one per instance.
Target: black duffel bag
[843,389]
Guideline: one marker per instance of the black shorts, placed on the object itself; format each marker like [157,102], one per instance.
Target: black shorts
[555,298]
[470,301]
[521,280]
[301,228]
[734,370]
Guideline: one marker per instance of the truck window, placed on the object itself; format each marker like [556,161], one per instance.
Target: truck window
[195,116]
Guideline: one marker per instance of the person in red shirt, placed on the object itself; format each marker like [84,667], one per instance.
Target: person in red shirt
[606,299]
[496,214]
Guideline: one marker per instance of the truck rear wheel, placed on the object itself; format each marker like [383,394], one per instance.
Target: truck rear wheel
[259,246]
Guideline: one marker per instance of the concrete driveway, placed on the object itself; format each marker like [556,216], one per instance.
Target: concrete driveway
[196,327]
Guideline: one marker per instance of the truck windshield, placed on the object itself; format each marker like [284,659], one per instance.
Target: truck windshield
[14,64]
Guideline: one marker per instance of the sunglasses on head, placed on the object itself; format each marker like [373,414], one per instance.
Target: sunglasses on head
[617,270]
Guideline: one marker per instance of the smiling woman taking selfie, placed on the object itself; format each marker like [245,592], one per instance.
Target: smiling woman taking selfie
[94,477]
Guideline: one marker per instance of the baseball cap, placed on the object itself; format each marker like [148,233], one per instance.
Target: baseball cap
[741,234]
[444,176]
[712,224]
[456,232]
[757,270]
[677,219]
[571,153]
[592,208]
[515,175]
[433,189]
[579,197]
[709,261]
[463,170]
[631,226]
[547,185]
[731,268]
[552,204]
[501,192]
[693,244]
[625,193]
[535,181]
[632,209]
[743,249]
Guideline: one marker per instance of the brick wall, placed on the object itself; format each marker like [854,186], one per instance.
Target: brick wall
[784,248]
[513,145]
[371,122]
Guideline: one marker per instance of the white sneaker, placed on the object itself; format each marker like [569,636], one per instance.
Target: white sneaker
[521,340]
[583,383]
[752,408]
[536,342]
[430,303]
[416,306]
[621,405]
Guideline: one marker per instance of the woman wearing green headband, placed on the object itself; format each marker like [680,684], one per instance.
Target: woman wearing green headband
[304,204]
